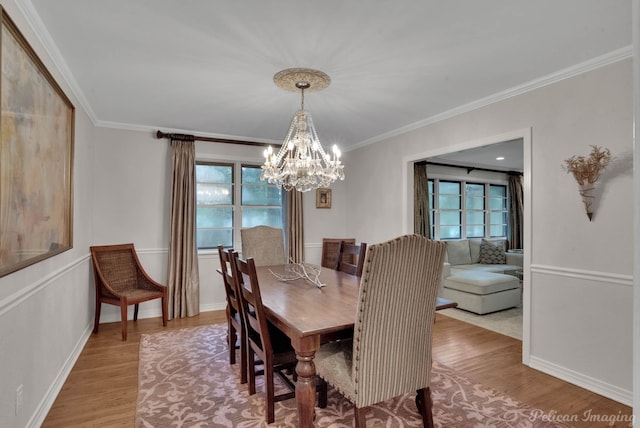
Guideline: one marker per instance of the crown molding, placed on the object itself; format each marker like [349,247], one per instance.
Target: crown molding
[44,37]
[584,67]
[154,129]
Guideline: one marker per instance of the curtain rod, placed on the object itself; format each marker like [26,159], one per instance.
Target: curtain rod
[187,137]
[472,168]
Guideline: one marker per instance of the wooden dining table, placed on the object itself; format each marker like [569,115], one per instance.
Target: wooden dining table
[310,316]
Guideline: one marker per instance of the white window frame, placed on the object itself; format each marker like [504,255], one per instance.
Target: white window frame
[435,210]
[237,197]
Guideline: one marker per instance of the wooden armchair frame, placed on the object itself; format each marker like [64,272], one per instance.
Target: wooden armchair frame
[120,280]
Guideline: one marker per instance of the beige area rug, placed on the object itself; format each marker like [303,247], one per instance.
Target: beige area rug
[185,380]
[507,322]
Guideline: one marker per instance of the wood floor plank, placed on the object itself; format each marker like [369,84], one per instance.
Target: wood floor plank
[101,390]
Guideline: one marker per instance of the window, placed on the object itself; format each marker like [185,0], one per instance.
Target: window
[449,202]
[460,209]
[230,196]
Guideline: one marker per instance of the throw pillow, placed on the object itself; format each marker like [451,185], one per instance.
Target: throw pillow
[492,254]
[458,252]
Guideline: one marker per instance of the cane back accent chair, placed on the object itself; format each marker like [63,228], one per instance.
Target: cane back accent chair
[331,251]
[351,258]
[264,244]
[390,354]
[264,340]
[121,281]
[235,323]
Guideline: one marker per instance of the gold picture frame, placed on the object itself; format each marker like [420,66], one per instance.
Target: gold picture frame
[36,156]
[323,198]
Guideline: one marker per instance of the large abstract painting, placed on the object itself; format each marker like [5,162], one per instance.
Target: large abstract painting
[36,156]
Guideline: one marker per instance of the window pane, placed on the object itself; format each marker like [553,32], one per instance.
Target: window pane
[449,188]
[450,217]
[475,217]
[219,217]
[498,218]
[211,238]
[251,175]
[475,231]
[495,190]
[261,195]
[475,203]
[214,173]
[449,232]
[498,230]
[214,193]
[261,216]
[475,189]
[449,202]
[497,204]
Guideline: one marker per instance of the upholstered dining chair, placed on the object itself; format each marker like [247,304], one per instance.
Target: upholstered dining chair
[351,258]
[121,281]
[235,323]
[264,340]
[264,244]
[331,249]
[390,354]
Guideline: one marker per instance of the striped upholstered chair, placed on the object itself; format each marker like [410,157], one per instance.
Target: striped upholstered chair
[390,354]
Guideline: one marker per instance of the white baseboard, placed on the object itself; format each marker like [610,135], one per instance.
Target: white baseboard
[38,417]
[594,385]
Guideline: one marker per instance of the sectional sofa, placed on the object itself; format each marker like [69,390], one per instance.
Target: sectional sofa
[481,276]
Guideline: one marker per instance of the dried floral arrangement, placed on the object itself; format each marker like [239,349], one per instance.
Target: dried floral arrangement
[307,271]
[586,170]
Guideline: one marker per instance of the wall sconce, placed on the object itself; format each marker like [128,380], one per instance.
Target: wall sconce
[586,171]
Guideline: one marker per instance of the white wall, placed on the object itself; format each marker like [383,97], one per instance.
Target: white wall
[580,279]
[46,309]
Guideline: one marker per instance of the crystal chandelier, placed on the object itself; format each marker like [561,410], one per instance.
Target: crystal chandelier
[301,163]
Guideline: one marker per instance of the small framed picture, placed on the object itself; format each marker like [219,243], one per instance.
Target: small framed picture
[323,198]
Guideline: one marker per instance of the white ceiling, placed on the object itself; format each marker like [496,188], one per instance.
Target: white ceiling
[206,66]
[503,156]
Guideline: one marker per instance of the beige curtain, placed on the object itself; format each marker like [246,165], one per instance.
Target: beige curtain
[183,283]
[421,223]
[516,209]
[294,226]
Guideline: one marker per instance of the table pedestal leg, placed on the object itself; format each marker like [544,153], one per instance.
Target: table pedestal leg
[306,384]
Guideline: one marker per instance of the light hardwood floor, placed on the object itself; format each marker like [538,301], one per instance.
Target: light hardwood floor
[101,390]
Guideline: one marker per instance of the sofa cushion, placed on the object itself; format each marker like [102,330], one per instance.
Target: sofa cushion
[477,282]
[500,268]
[458,252]
[492,254]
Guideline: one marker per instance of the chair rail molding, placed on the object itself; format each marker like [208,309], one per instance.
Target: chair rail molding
[607,277]
[15,299]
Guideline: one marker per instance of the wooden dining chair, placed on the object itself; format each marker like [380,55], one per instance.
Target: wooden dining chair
[121,281]
[264,244]
[330,251]
[235,322]
[351,258]
[390,353]
[264,340]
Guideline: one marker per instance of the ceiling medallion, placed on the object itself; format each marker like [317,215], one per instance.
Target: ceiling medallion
[291,79]
[301,163]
